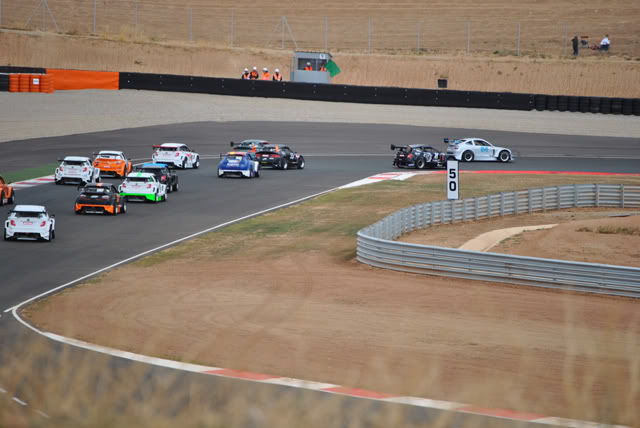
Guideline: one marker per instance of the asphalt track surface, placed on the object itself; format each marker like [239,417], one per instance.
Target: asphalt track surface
[336,154]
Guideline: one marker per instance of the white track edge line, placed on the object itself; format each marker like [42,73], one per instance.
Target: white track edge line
[144,253]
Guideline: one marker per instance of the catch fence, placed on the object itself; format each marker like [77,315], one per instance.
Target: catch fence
[377,245]
[352,30]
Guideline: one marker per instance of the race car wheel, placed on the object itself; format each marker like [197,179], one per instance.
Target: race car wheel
[467,156]
[184,164]
[175,187]
[504,156]
[420,163]
[123,209]
[53,234]
[285,164]
[301,163]
[50,237]
[1,199]
[252,173]
[58,182]
[78,212]
[197,164]
[6,237]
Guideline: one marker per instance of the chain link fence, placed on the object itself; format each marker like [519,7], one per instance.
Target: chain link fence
[350,31]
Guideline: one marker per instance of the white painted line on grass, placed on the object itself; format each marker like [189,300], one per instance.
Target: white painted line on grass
[19,401]
[43,414]
[153,250]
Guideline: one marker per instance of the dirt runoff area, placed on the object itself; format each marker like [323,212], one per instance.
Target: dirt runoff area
[310,316]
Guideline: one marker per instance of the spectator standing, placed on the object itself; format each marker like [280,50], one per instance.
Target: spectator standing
[254,74]
[265,74]
[575,41]
[245,75]
[604,44]
[277,76]
[323,68]
[308,67]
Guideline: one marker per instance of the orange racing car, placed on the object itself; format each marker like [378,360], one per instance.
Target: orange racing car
[113,163]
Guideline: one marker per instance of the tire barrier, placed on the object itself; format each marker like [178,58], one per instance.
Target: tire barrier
[563,103]
[34,82]
[4,82]
[28,83]
[81,79]
[378,245]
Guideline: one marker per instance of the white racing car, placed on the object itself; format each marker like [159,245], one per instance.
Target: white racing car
[177,155]
[143,186]
[77,169]
[470,149]
[30,222]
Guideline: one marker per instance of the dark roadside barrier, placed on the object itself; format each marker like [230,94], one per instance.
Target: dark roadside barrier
[323,92]
[28,70]
[4,82]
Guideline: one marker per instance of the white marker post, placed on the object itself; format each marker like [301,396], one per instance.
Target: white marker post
[453,189]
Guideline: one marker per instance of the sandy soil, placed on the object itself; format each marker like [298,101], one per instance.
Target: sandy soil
[563,242]
[592,76]
[309,316]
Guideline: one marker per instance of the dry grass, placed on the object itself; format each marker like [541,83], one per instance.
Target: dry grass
[599,360]
[612,230]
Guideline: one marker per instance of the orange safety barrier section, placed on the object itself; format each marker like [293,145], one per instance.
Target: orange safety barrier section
[80,79]
[46,84]
[23,83]
[14,84]
[34,82]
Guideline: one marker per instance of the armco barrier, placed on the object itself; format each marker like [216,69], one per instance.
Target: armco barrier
[4,82]
[376,245]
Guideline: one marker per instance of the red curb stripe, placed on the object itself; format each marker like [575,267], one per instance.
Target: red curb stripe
[355,392]
[502,413]
[44,179]
[238,374]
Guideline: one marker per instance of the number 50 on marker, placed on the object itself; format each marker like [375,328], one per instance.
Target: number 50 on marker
[452,179]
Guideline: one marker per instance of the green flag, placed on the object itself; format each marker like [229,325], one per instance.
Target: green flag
[332,68]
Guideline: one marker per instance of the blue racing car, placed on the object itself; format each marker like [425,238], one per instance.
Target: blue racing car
[239,164]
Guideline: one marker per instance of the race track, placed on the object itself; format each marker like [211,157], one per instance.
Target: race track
[336,154]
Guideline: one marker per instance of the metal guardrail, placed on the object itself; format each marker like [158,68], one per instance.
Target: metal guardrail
[377,245]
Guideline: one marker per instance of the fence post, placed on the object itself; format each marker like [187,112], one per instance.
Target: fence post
[326,33]
[419,25]
[136,36]
[558,196]
[544,200]
[190,25]
[433,218]
[575,195]
[488,206]
[369,34]
[468,38]
[515,203]
[530,204]
[622,195]
[477,207]
[453,211]
[233,25]
[501,204]
[597,195]
[518,49]
[464,210]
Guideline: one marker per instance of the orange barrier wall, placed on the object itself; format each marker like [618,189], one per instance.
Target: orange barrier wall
[46,84]
[23,82]
[80,79]
[14,84]
[34,82]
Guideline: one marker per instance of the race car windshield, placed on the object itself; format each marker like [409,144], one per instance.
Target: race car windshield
[168,149]
[109,156]
[137,179]
[151,170]
[96,190]
[235,157]
[73,163]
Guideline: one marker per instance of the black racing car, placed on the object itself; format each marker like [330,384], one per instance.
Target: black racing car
[418,156]
[162,173]
[249,145]
[100,198]
[279,156]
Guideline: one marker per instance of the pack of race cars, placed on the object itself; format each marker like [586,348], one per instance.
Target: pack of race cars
[154,181]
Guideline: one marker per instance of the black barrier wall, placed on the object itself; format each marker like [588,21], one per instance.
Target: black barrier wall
[326,92]
[28,70]
[379,95]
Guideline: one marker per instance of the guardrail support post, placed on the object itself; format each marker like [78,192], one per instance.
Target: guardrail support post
[575,195]
[477,207]
[622,195]
[501,204]
[597,195]
[464,210]
[489,206]
[544,200]
[558,196]
[515,203]
[433,216]
[530,203]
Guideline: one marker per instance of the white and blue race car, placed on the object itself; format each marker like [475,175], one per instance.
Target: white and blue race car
[31,222]
[470,149]
[239,164]
[176,155]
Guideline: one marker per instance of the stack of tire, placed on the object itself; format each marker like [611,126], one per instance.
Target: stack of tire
[30,83]
[625,106]
[4,82]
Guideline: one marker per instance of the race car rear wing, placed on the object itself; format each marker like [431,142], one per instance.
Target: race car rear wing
[394,147]
[451,140]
